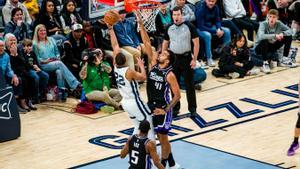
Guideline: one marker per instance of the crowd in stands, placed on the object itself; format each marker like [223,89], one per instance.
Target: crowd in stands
[48,43]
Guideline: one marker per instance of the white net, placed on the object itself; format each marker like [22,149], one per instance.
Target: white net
[148,17]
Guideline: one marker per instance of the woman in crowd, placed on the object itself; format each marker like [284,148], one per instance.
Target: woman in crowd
[16,26]
[234,61]
[18,65]
[49,58]
[69,15]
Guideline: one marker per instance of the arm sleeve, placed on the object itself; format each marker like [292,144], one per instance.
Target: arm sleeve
[286,30]
[189,16]
[230,11]
[122,39]
[167,37]
[193,30]
[9,71]
[261,35]
[218,18]
[6,14]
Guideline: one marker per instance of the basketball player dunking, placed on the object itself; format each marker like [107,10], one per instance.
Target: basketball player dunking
[129,88]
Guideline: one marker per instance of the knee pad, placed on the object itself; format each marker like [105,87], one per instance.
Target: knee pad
[298,121]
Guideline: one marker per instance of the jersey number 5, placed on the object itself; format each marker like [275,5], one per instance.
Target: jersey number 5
[134,157]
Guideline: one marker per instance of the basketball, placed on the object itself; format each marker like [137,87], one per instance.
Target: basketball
[111,17]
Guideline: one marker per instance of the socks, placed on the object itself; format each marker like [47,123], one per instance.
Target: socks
[164,162]
[171,160]
[295,140]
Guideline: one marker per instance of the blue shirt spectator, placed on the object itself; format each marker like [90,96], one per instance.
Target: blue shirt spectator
[208,19]
[126,33]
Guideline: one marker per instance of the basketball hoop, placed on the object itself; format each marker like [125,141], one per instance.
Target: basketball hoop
[147,9]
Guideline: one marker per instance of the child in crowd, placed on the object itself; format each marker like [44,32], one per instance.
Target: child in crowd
[40,78]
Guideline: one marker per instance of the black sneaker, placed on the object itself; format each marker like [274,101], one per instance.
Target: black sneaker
[175,113]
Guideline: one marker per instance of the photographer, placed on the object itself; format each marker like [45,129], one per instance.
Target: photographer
[96,82]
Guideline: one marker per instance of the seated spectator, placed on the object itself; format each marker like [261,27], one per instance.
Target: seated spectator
[234,10]
[49,59]
[96,82]
[9,6]
[272,35]
[93,35]
[162,21]
[32,7]
[209,24]
[75,44]
[101,26]
[18,65]
[16,26]
[49,17]
[39,77]
[128,39]
[11,78]
[234,61]
[187,12]
[69,16]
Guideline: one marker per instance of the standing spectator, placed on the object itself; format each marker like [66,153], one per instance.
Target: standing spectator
[9,6]
[272,35]
[48,57]
[16,26]
[33,8]
[162,21]
[40,78]
[234,10]
[187,12]
[75,44]
[178,38]
[209,24]
[69,15]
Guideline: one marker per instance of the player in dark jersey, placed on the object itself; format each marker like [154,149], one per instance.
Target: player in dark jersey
[140,148]
[295,145]
[161,82]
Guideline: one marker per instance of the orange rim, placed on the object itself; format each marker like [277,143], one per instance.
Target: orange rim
[131,5]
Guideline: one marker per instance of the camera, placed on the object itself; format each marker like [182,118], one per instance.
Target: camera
[89,55]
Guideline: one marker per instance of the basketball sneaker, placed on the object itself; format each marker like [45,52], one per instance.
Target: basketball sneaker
[292,149]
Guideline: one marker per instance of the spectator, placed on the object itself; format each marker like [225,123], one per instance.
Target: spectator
[188,13]
[234,10]
[75,44]
[272,35]
[162,21]
[234,61]
[128,39]
[33,8]
[48,57]
[69,15]
[93,35]
[209,24]
[18,65]
[96,82]
[11,78]
[39,77]
[16,26]
[9,6]
[50,18]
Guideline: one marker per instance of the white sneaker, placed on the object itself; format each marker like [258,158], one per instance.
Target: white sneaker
[266,68]
[254,71]
[211,63]
[287,62]
[176,166]
[273,64]
[234,75]
[201,64]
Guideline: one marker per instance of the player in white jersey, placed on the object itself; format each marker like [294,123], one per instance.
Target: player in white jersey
[129,88]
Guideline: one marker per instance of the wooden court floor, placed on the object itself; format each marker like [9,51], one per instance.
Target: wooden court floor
[252,117]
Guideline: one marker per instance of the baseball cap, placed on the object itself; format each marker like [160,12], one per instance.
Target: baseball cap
[76,27]
[144,126]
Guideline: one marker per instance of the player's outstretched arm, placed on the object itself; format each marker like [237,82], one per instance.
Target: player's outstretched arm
[134,75]
[146,41]
[125,149]
[113,40]
[171,79]
[151,147]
